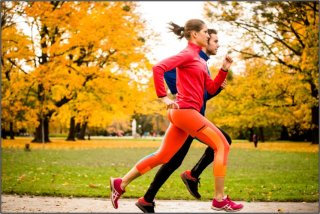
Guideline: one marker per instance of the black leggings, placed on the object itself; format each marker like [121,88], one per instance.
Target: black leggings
[167,169]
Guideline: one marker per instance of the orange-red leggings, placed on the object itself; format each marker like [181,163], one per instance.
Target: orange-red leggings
[184,122]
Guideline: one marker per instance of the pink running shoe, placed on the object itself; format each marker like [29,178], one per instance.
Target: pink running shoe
[116,191]
[226,205]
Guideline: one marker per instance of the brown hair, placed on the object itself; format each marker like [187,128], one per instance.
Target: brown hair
[192,24]
[212,31]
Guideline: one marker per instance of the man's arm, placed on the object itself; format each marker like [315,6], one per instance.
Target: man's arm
[215,94]
[170,78]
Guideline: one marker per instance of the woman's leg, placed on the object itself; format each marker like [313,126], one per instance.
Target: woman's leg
[166,170]
[215,139]
[198,126]
[207,157]
[173,140]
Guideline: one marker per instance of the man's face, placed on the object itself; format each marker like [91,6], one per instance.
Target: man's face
[213,45]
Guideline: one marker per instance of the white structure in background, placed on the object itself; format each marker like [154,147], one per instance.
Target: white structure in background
[134,128]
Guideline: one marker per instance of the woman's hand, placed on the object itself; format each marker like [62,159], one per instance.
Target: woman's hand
[170,103]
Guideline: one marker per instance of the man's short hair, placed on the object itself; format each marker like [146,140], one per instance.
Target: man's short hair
[212,31]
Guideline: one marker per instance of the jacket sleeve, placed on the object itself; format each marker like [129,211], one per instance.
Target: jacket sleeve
[171,79]
[209,96]
[166,65]
[211,85]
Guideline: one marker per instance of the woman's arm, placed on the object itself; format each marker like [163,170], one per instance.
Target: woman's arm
[213,85]
[165,65]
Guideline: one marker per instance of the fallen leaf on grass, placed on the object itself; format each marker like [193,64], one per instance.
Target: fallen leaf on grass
[94,185]
[22,177]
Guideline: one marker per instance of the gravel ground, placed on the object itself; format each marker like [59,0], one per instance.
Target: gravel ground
[35,204]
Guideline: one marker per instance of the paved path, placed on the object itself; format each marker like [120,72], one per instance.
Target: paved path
[32,204]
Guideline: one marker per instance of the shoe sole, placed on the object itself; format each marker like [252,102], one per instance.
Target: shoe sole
[141,207]
[112,188]
[222,209]
[186,183]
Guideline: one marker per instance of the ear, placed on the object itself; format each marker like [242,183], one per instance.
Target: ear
[194,34]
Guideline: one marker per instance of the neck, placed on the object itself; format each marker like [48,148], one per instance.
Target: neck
[195,42]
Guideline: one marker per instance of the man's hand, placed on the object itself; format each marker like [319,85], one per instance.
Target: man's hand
[227,63]
[224,84]
[170,103]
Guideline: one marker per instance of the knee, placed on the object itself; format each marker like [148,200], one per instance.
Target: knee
[162,159]
[172,164]
[227,147]
[209,152]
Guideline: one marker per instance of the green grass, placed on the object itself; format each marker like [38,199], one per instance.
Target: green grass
[252,175]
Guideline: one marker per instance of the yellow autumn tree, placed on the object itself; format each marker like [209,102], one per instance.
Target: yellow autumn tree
[15,61]
[283,33]
[79,51]
[259,98]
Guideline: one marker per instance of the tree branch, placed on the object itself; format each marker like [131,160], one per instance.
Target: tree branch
[279,60]
[19,67]
[264,31]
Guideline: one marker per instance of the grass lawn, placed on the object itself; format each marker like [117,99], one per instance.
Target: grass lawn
[253,174]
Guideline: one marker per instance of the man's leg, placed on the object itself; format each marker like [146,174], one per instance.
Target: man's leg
[166,170]
[191,178]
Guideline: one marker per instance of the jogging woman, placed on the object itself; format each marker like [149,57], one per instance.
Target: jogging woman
[189,177]
[184,116]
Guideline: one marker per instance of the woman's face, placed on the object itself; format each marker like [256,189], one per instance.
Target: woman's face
[201,37]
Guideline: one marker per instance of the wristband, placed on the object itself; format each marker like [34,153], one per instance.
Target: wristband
[224,70]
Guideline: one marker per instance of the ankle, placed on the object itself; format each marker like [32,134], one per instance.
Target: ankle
[123,185]
[147,199]
[193,175]
[220,198]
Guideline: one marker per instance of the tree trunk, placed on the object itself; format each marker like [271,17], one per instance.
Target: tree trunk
[314,115]
[251,132]
[11,131]
[241,135]
[284,133]
[41,134]
[315,127]
[89,135]
[39,137]
[72,130]
[77,130]
[3,133]
[83,131]
[261,134]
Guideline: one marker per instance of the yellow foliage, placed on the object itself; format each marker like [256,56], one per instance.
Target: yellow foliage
[260,97]
[83,54]
[93,144]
